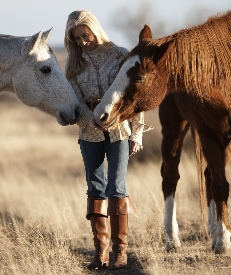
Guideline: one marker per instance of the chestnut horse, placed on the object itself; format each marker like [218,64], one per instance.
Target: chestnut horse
[188,75]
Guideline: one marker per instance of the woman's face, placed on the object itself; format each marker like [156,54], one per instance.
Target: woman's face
[85,38]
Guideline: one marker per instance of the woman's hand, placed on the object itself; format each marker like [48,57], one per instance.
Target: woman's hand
[134,147]
[96,126]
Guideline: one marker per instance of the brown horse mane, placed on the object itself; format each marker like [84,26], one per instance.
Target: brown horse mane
[199,56]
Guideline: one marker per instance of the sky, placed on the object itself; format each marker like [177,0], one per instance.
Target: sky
[27,17]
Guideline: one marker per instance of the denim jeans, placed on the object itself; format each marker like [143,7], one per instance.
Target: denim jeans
[105,181]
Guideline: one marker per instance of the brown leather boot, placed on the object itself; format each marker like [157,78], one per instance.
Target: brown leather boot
[97,213]
[118,210]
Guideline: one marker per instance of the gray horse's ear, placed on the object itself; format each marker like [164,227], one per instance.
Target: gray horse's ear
[46,34]
[32,42]
[145,33]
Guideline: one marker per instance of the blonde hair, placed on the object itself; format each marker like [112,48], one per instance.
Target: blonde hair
[76,63]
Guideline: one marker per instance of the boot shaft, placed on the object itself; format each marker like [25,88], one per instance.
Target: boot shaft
[96,207]
[118,210]
[119,232]
[120,206]
[100,225]
[119,237]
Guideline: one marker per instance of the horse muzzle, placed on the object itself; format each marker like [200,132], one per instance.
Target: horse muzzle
[65,119]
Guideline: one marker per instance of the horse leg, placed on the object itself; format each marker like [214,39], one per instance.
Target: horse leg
[174,129]
[212,221]
[217,156]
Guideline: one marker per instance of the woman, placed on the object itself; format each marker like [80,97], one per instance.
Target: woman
[92,65]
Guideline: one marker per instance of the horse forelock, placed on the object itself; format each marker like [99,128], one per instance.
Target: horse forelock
[43,46]
[52,52]
[135,51]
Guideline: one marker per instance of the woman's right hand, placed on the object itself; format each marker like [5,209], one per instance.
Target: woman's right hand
[96,126]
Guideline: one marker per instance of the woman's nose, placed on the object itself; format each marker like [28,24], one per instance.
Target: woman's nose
[82,42]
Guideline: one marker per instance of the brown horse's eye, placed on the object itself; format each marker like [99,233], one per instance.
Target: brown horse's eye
[140,78]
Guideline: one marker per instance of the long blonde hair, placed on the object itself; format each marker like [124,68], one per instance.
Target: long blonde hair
[75,62]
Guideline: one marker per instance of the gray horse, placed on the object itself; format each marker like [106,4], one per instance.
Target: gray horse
[29,68]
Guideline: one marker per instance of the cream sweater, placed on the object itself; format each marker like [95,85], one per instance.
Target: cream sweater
[101,70]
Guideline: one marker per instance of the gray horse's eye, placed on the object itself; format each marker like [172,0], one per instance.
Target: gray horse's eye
[45,70]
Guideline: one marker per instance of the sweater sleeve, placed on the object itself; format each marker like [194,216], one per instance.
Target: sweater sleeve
[138,128]
[86,115]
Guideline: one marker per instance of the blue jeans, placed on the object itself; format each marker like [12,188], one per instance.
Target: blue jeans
[102,183]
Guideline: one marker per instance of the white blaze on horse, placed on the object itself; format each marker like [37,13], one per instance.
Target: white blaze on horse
[188,75]
[29,68]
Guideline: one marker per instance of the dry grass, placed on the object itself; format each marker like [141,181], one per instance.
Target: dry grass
[43,229]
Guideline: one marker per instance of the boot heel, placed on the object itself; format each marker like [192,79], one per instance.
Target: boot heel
[98,265]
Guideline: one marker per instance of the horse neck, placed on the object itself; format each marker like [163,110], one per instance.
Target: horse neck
[10,59]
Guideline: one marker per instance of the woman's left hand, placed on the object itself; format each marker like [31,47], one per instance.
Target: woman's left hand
[134,147]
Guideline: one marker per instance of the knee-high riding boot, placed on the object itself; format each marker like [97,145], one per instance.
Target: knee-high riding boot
[97,214]
[118,209]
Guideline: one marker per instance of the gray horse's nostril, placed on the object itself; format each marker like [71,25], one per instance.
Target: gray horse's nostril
[104,117]
[69,119]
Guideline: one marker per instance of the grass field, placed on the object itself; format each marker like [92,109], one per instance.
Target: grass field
[43,229]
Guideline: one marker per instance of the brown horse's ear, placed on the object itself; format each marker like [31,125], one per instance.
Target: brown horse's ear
[145,33]
[160,51]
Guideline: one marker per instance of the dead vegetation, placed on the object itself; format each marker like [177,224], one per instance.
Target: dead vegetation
[43,229]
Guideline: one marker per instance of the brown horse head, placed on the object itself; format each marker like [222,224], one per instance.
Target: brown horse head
[132,91]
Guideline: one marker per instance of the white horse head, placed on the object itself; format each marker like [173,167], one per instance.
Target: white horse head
[29,68]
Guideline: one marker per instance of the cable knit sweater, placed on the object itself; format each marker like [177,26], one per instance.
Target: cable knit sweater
[101,69]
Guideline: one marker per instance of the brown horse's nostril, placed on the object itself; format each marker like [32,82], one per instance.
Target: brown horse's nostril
[104,117]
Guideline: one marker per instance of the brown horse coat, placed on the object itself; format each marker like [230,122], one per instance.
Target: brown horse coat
[188,75]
